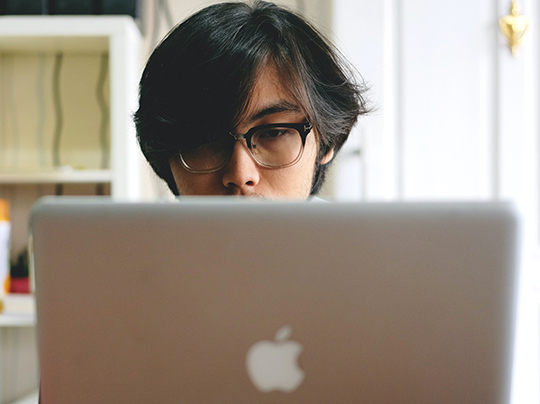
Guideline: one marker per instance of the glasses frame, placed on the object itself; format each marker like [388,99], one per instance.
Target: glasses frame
[302,128]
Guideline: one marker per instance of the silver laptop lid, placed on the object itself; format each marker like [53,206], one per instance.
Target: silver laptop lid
[274,302]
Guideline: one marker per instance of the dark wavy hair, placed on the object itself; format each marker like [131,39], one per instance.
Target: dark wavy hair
[198,81]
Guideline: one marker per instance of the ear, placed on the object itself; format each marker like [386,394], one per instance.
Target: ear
[326,159]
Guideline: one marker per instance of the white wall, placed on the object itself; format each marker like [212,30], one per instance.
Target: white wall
[458,119]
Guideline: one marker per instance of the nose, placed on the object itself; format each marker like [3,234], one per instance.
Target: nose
[241,173]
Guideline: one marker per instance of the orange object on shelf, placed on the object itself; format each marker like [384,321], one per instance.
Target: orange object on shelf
[4,210]
[5,229]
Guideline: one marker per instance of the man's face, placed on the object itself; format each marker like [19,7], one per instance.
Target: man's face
[242,176]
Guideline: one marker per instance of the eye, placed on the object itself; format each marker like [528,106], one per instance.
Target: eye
[272,133]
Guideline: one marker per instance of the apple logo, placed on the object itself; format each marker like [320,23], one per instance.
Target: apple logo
[273,365]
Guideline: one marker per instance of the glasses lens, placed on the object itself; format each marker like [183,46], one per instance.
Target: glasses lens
[209,156]
[276,147]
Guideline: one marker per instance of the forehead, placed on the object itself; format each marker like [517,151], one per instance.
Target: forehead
[271,94]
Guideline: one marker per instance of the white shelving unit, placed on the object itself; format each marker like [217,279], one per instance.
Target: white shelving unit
[18,351]
[29,108]
[66,176]
[17,320]
[117,36]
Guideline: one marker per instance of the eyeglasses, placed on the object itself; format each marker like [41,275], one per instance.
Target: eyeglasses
[276,145]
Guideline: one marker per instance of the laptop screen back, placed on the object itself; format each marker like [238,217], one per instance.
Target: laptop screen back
[274,302]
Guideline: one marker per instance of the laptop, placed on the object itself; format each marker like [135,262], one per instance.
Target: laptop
[213,301]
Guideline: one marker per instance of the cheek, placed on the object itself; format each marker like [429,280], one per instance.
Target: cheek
[196,184]
[310,150]
[305,168]
[188,183]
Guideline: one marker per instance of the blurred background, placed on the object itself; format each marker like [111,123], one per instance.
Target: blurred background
[457,117]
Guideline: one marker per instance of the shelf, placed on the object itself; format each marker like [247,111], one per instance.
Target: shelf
[60,176]
[19,311]
[72,45]
[17,320]
[66,33]
[29,48]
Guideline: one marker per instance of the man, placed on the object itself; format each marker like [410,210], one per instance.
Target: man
[245,100]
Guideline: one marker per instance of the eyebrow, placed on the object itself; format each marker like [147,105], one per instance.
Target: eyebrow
[280,106]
